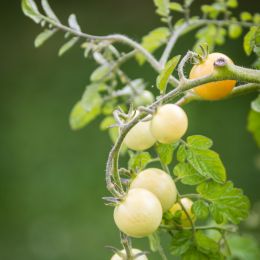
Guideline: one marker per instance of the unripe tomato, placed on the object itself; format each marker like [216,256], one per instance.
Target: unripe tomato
[139,214]
[213,90]
[169,123]
[143,99]
[140,137]
[187,203]
[159,183]
[134,252]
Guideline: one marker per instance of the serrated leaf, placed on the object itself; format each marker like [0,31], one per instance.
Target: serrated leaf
[30,9]
[234,31]
[182,153]
[138,161]
[181,242]
[176,7]
[205,244]
[255,104]
[246,16]
[100,73]
[79,117]
[187,174]
[162,7]
[163,78]
[201,209]
[68,45]
[226,202]
[43,37]
[48,10]
[253,125]
[243,247]
[199,142]
[249,40]
[165,152]
[207,163]
[73,23]
[151,42]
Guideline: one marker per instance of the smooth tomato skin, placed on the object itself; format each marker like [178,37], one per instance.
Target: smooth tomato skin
[159,183]
[134,252]
[169,123]
[213,90]
[139,214]
[187,203]
[140,137]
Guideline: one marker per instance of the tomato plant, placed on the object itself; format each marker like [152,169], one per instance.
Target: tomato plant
[143,198]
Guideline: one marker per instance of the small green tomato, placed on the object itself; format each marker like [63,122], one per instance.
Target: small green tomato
[159,183]
[139,214]
[169,123]
[122,255]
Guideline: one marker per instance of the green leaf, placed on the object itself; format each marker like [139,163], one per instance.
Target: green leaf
[226,202]
[151,42]
[106,123]
[243,247]
[162,7]
[205,244]
[207,163]
[246,16]
[188,174]
[64,48]
[43,37]
[250,40]
[49,12]
[154,242]
[165,152]
[199,142]
[101,73]
[181,242]
[182,153]
[87,109]
[234,31]
[201,209]
[163,78]
[79,117]
[30,9]
[253,125]
[176,7]
[138,161]
[232,3]
[255,105]
[188,3]
[73,23]
[194,254]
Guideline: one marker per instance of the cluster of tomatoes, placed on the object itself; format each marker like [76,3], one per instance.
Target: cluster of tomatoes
[153,192]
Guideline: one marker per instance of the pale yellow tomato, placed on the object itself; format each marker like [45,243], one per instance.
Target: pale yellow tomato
[213,90]
[139,214]
[187,203]
[134,253]
[169,123]
[140,137]
[159,183]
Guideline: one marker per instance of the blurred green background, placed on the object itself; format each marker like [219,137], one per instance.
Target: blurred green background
[52,179]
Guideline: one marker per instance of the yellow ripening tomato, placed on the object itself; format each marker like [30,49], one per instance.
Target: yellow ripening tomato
[212,90]
[187,203]
[134,253]
[159,183]
[140,137]
[169,123]
[139,214]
